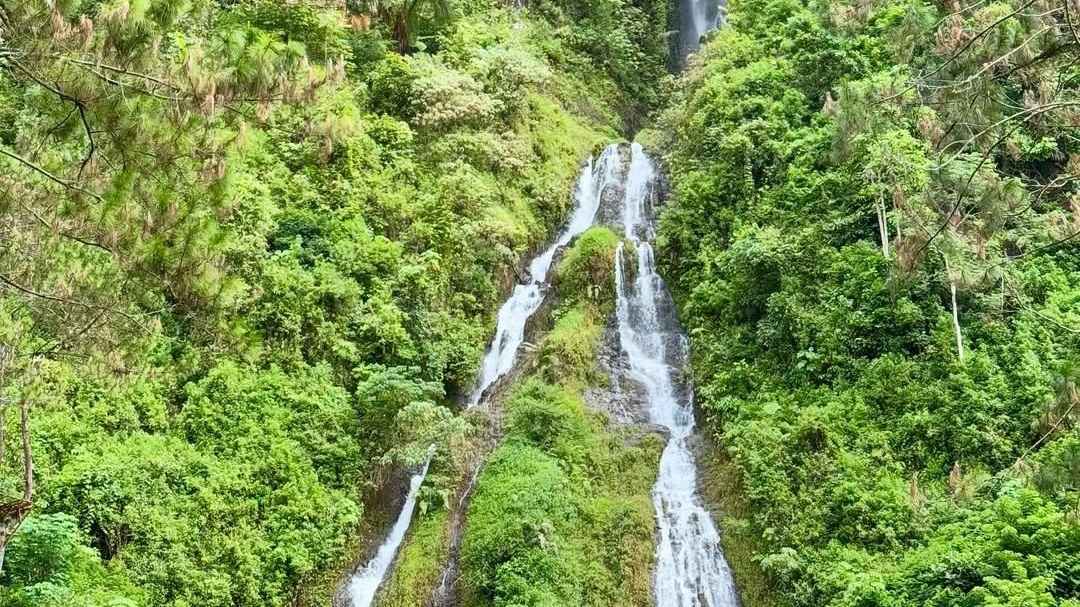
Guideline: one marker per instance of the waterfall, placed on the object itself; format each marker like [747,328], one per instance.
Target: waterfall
[691,570]
[499,359]
[365,582]
[526,298]
[697,18]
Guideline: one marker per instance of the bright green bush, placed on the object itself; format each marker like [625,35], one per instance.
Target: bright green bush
[586,272]
[516,549]
[49,565]
[562,514]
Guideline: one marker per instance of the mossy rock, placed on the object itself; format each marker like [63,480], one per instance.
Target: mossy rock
[568,353]
[587,270]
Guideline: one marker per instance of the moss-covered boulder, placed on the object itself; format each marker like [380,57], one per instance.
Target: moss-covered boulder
[587,270]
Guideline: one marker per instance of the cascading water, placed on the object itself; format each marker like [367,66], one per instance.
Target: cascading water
[499,359]
[365,582]
[527,297]
[524,301]
[697,18]
[691,570]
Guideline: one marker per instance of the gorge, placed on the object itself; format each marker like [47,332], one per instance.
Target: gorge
[544,303]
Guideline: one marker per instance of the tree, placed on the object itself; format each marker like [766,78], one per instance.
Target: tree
[14,511]
[404,18]
[119,167]
[114,179]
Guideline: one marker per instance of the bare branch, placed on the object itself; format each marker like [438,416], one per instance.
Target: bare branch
[122,71]
[68,235]
[963,192]
[963,49]
[1069,22]
[89,135]
[46,296]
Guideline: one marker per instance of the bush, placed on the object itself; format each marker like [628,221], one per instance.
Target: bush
[586,272]
[562,513]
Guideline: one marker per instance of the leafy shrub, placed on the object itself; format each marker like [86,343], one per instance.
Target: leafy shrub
[49,565]
[586,271]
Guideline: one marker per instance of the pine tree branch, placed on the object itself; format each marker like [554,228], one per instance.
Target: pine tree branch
[121,71]
[963,49]
[45,296]
[1047,435]
[963,191]
[128,85]
[67,184]
[28,291]
[68,235]
[79,104]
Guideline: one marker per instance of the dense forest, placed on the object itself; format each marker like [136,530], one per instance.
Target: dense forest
[874,246]
[252,252]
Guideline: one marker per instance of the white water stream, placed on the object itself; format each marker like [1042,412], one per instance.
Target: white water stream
[527,297]
[365,582]
[690,567]
[500,357]
[697,18]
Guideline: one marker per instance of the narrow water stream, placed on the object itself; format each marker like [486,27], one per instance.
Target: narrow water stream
[691,570]
[526,297]
[366,581]
[499,360]
[501,355]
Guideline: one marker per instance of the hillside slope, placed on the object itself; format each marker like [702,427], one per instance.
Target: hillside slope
[872,241]
[250,253]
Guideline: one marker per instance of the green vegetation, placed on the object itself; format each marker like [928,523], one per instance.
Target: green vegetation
[420,562]
[872,246]
[585,282]
[586,273]
[250,252]
[562,513]
[54,566]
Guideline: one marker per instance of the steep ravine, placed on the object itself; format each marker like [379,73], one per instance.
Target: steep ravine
[642,363]
[501,362]
[634,368]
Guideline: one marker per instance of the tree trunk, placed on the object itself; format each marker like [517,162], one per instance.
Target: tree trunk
[13,514]
[883,228]
[955,311]
[956,323]
[28,456]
